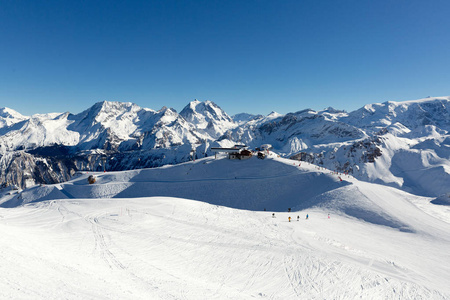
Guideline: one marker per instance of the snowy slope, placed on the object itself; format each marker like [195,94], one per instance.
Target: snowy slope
[379,243]
[274,184]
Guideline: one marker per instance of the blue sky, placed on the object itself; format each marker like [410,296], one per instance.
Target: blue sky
[246,56]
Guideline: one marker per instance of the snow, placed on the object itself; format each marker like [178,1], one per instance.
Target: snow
[198,230]
[10,117]
[335,139]
[207,118]
[243,118]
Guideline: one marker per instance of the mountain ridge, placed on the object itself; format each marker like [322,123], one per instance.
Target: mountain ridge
[372,142]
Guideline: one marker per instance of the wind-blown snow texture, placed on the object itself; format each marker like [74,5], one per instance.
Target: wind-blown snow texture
[128,237]
[399,144]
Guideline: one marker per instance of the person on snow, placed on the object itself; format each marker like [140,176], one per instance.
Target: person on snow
[273,215]
[307,216]
[289,219]
[298,218]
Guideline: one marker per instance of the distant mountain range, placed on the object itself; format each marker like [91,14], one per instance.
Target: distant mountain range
[401,144]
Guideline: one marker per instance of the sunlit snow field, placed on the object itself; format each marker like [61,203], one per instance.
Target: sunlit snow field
[131,235]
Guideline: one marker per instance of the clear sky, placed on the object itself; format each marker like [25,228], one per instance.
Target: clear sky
[246,56]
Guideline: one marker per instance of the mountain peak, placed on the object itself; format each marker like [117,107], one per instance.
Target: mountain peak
[333,110]
[9,116]
[6,112]
[111,108]
[242,118]
[115,105]
[274,114]
[192,105]
[167,111]
[203,112]
[163,109]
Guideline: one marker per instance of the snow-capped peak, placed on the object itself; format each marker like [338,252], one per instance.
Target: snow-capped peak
[427,111]
[243,118]
[367,141]
[207,117]
[273,115]
[6,112]
[9,116]
[201,113]
[108,108]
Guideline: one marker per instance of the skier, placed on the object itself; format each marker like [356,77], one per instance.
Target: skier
[328,216]
[298,218]
[273,215]
[289,219]
[307,216]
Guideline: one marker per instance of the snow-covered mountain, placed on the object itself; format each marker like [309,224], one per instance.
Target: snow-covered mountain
[208,118]
[411,114]
[9,117]
[106,125]
[52,147]
[401,144]
[243,118]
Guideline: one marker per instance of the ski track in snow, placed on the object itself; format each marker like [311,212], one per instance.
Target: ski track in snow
[271,259]
[171,248]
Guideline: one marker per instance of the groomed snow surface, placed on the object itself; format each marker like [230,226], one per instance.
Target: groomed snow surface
[131,235]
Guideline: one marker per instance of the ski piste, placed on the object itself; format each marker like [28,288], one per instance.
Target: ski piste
[132,235]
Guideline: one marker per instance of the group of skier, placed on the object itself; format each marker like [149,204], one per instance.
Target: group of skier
[298,217]
[289,218]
